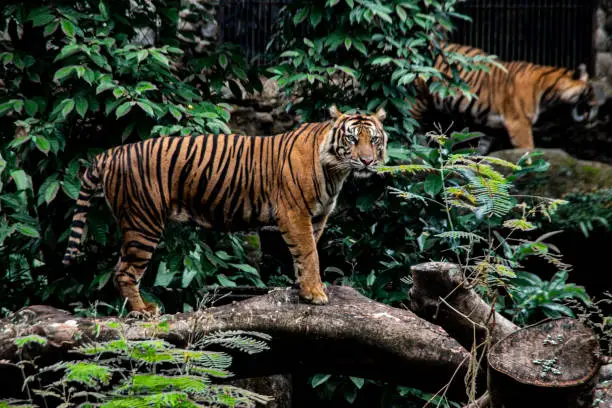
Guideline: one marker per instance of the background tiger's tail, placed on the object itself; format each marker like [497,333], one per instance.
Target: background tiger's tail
[90,186]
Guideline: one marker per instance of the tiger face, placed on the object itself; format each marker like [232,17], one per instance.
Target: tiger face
[358,142]
[588,99]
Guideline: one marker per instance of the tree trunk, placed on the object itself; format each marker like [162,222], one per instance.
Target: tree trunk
[352,335]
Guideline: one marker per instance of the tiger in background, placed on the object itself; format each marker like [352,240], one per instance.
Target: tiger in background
[230,183]
[513,100]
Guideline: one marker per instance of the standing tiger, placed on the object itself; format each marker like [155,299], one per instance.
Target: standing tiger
[230,182]
[512,100]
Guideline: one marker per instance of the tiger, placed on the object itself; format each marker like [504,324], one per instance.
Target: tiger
[230,182]
[512,100]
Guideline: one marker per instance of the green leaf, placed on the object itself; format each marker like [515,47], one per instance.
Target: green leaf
[300,15]
[145,86]
[27,230]
[71,186]
[22,180]
[31,107]
[68,107]
[67,27]
[433,184]
[316,15]
[51,191]
[401,13]
[123,109]
[176,113]
[319,379]
[106,85]
[223,60]
[142,55]
[81,106]
[50,28]
[42,19]
[67,51]
[245,268]
[42,144]
[103,10]
[146,108]
[351,3]
[164,277]
[188,275]
[63,73]
[224,281]
[357,381]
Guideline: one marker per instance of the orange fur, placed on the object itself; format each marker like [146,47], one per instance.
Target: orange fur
[230,183]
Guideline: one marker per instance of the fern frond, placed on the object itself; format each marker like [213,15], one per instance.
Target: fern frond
[88,374]
[407,168]
[456,158]
[520,224]
[407,195]
[167,399]
[459,193]
[211,372]
[461,235]
[208,359]
[155,383]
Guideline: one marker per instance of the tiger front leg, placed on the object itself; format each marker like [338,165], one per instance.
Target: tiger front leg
[521,135]
[297,231]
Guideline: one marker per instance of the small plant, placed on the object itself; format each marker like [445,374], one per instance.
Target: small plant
[127,373]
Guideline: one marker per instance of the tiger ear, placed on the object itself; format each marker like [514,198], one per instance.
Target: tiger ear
[381,114]
[581,73]
[334,111]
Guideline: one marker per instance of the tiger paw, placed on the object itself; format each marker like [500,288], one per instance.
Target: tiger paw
[149,311]
[315,294]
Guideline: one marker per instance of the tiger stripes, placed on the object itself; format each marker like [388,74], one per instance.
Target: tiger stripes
[512,100]
[230,183]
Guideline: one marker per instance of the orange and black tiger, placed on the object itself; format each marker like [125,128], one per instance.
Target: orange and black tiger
[230,183]
[512,99]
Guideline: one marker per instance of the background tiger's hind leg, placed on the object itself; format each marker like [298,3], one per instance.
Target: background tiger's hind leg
[136,253]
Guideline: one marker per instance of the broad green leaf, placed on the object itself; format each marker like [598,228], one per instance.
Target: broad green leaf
[67,27]
[123,109]
[145,86]
[142,55]
[50,28]
[51,191]
[319,379]
[146,108]
[357,381]
[71,186]
[67,51]
[433,184]
[175,112]
[68,106]
[188,275]
[42,19]
[224,281]
[104,86]
[30,107]
[300,15]
[223,60]
[63,72]
[42,144]
[27,230]
[81,106]
[164,276]
[22,180]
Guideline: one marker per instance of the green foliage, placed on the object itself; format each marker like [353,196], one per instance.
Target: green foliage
[79,78]
[124,373]
[585,211]
[364,54]
[533,298]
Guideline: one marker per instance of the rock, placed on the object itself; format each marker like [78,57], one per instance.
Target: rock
[565,175]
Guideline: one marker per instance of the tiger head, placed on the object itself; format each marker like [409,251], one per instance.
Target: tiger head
[357,142]
[585,96]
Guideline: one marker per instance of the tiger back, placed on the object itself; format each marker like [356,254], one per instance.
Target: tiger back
[512,98]
[230,183]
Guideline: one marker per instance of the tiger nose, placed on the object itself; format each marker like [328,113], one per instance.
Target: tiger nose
[367,160]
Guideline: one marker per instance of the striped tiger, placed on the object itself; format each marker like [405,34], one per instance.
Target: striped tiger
[230,183]
[512,100]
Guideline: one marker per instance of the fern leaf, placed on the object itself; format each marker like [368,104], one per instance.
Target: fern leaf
[461,235]
[407,195]
[520,224]
[407,168]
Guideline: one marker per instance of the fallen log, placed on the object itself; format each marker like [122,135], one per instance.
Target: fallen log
[556,361]
[352,335]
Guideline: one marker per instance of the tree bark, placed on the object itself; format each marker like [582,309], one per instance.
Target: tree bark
[514,357]
[352,335]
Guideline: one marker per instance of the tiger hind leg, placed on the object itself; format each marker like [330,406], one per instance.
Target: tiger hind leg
[136,253]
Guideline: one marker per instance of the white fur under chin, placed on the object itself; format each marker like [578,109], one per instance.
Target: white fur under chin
[363,173]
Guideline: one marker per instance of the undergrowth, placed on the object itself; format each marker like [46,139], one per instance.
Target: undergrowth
[145,373]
